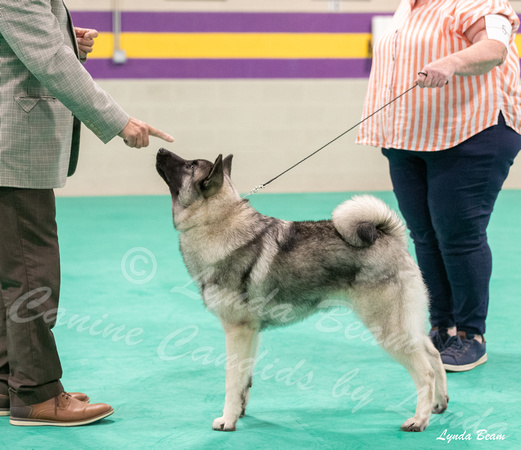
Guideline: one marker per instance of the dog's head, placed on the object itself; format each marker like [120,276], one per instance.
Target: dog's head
[196,181]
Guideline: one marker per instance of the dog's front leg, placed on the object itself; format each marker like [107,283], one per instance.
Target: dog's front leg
[249,380]
[239,342]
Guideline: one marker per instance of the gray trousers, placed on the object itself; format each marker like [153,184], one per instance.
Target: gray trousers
[30,287]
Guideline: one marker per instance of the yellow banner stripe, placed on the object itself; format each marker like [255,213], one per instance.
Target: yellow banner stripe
[236,45]
[517,40]
[240,45]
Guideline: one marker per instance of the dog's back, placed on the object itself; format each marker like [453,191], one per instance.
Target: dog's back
[298,265]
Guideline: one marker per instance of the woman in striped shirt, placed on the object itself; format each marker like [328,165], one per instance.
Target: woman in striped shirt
[450,146]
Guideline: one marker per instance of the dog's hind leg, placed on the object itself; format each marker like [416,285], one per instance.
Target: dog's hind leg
[395,315]
[417,362]
[239,365]
[253,354]
[441,398]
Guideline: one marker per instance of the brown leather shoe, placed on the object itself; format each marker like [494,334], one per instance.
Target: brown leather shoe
[79,396]
[5,404]
[60,411]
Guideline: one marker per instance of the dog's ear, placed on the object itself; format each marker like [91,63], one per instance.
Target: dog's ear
[213,182]
[227,163]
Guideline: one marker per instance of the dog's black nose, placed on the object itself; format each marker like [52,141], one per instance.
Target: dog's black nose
[163,154]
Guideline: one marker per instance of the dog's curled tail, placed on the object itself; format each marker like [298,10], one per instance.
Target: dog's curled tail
[363,219]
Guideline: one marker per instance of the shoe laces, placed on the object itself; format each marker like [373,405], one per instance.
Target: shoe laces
[457,346]
[65,395]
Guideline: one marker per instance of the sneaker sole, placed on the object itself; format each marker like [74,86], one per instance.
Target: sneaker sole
[464,368]
[49,423]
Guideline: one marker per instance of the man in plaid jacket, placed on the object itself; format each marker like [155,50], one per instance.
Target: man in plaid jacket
[44,94]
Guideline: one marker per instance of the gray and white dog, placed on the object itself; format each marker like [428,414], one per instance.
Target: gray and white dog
[255,272]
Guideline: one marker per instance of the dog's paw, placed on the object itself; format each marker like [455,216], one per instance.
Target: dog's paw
[414,424]
[221,424]
[441,406]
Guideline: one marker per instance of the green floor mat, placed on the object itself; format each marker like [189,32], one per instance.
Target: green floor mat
[133,332]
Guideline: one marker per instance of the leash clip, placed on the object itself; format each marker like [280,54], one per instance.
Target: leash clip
[255,190]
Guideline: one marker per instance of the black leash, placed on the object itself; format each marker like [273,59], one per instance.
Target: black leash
[262,186]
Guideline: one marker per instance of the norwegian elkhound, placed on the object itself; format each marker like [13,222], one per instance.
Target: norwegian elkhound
[255,272]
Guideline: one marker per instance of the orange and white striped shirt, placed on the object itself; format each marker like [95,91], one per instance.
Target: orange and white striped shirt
[432,119]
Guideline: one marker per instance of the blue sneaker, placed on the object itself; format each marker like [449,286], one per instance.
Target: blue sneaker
[463,353]
[439,338]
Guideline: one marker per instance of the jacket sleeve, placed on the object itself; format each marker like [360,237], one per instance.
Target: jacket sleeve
[33,33]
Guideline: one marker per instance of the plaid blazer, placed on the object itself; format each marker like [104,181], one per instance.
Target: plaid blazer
[43,87]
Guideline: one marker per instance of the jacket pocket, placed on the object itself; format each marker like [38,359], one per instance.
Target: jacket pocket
[28,103]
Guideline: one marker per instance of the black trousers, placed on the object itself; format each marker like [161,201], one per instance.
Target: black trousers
[30,288]
[447,198]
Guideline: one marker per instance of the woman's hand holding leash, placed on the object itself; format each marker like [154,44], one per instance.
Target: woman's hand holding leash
[434,75]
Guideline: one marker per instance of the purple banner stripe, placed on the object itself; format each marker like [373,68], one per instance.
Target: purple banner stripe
[98,20]
[229,68]
[190,22]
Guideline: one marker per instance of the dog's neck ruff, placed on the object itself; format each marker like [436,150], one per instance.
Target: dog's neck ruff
[193,222]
